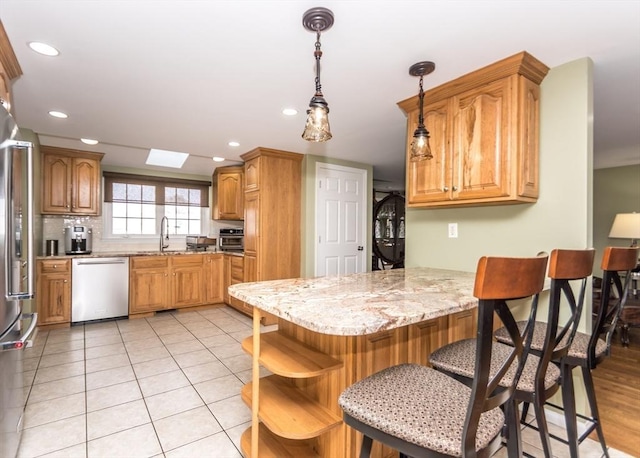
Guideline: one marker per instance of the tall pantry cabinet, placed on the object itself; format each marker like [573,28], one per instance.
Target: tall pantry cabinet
[273,182]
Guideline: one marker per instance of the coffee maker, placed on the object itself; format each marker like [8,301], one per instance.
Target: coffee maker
[77,240]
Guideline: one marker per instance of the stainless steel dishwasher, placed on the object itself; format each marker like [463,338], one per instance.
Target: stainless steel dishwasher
[99,288]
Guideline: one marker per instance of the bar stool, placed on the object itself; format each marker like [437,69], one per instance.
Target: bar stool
[586,351]
[569,271]
[421,412]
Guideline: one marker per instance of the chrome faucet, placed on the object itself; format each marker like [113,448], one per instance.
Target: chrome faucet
[164,224]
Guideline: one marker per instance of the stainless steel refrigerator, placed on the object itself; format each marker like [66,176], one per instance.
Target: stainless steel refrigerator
[16,277]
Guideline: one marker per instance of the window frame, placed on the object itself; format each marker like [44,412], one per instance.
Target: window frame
[160,205]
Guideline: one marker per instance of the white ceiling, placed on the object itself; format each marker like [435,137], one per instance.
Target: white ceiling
[192,75]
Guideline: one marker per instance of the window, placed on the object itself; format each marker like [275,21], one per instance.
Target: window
[138,203]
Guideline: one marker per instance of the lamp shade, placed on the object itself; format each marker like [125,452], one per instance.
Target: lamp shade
[626,226]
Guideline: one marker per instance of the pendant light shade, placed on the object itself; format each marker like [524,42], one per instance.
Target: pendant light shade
[317,127]
[420,148]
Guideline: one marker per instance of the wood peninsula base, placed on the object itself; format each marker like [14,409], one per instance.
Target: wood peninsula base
[360,356]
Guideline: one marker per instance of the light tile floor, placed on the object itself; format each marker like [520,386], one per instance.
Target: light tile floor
[166,386]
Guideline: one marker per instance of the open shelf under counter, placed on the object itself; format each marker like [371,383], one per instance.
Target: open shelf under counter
[288,357]
[288,412]
[273,446]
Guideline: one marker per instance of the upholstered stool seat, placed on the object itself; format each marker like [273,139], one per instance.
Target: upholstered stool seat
[459,359]
[578,349]
[419,405]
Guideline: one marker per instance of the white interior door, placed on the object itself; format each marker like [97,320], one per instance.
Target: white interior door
[341,224]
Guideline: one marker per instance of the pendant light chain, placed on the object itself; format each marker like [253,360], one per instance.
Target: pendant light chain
[318,54]
[421,97]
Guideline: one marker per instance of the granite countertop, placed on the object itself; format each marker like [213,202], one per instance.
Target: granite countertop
[119,254]
[365,303]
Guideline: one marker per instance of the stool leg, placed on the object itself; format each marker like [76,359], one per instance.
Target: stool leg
[593,405]
[543,429]
[525,410]
[569,407]
[365,448]
[624,335]
[514,441]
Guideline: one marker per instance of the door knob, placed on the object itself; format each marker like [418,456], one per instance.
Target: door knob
[360,248]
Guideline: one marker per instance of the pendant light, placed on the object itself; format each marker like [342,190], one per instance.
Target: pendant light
[420,148]
[317,126]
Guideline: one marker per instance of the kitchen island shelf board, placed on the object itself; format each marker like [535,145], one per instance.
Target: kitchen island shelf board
[272,446]
[367,322]
[288,411]
[285,356]
[484,138]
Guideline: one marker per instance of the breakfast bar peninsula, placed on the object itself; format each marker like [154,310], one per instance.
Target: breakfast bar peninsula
[333,331]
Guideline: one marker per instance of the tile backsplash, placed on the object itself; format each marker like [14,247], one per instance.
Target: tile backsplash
[53,229]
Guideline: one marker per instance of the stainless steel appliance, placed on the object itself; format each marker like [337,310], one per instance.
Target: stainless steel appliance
[100,288]
[17,277]
[231,239]
[78,240]
[200,243]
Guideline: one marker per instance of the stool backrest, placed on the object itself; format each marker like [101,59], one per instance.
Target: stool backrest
[615,260]
[565,267]
[497,281]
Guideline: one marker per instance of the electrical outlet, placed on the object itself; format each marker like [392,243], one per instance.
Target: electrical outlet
[453,230]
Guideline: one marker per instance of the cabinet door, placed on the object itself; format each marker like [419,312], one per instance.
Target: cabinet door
[54,298]
[482,123]
[85,186]
[252,174]
[231,196]
[148,290]
[214,278]
[463,325]
[56,184]
[188,286]
[430,180]
[251,223]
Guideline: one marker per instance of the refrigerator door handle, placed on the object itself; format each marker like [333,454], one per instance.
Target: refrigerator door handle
[11,241]
[23,342]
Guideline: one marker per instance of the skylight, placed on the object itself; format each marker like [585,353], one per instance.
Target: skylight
[165,158]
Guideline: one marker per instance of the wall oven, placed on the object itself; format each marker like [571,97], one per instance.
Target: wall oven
[231,239]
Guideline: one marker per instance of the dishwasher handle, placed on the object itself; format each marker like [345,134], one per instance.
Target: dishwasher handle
[97,262]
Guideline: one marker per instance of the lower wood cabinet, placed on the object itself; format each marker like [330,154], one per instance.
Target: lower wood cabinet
[167,282]
[53,291]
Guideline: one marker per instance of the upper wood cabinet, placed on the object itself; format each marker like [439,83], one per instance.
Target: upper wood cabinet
[228,193]
[71,183]
[484,134]
[9,69]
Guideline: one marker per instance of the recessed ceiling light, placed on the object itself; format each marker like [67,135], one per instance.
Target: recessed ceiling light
[43,48]
[218,159]
[58,114]
[166,158]
[289,112]
[89,141]
[234,144]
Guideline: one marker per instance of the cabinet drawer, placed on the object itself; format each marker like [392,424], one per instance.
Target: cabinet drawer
[149,262]
[55,265]
[237,270]
[187,260]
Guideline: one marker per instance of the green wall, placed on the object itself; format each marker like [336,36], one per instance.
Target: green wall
[615,190]
[561,218]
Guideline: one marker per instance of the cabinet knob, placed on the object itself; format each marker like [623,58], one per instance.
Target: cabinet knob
[55,266]
[445,189]
[455,188]
[65,281]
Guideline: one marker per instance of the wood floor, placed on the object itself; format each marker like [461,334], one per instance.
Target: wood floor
[617,382]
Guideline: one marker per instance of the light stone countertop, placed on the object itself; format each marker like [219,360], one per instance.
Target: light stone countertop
[365,303]
[120,254]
